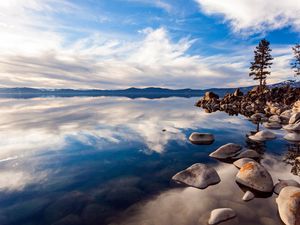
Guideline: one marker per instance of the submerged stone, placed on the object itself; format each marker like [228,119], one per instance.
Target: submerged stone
[288,203]
[201,138]
[221,214]
[255,176]
[249,153]
[226,151]
[198,175]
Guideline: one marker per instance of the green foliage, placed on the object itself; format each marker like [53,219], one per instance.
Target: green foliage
[262,62]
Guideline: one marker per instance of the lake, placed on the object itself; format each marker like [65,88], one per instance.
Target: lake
[109,160]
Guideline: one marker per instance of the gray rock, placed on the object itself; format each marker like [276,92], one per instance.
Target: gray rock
[239,163]
[288,203]
[221,214]
[201,138]
[248,153]
[272,125]
[255,176]
[226,151]
[248,196]
[198,176]
[284,183]
[257,117]
[275,118]
[263,135]
[294,118]
[294,137]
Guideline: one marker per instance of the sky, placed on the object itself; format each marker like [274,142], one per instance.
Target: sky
[113,44]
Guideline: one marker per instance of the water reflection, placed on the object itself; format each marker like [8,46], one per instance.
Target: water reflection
[87,160]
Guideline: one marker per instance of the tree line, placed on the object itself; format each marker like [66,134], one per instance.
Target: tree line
[262,62]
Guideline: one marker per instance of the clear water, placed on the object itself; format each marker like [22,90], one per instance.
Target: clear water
[109,160]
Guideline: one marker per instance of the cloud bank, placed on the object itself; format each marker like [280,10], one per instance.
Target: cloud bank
[255,16]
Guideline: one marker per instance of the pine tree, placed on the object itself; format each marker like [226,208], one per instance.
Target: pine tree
[262,62]
[296,61]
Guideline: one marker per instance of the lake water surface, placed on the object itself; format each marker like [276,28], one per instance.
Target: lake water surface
[109,160]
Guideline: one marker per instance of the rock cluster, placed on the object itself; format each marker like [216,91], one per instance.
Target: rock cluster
[271,102]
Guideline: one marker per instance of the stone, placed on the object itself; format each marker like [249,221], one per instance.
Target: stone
[272,125]
[201,138]
[255,176]
[296,167]
[221,214]
[293,137]
[296,107]
[210,95]
[248,153]
[284,183]
[198,175]
[275,118]
[248,196]
[257,117]
[292,127]
[240,162]
[294,118]
[238,93]
[288,203]
[226,151]
[263,135]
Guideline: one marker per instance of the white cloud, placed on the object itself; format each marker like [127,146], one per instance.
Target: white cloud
[253,16]
[44,57]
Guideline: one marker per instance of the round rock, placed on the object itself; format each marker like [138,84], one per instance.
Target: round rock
[284,183]
[288,203]
[201,138]
[226,151]
[249,153]
[239,163]
[198,175]
[221,214]
[263,135]
[255,176]
[294,137]
[272,125]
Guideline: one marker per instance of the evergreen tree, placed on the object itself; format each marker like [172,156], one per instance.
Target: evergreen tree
[262,62]
[296,61]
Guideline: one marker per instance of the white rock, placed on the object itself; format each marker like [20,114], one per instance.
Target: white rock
[292,127]
[255,176]
[201,138]
[272,125]
[294,137]
[248,196]
[221,214]
[239,163]
[226,151]
[288,203]
[294,118]
[248,153]
[198,175]
[263,135]
[284,183]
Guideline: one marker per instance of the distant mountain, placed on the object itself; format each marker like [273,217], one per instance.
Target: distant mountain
[150,92]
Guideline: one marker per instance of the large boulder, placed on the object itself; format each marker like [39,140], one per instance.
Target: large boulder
[221,214]
[201,138]
[209,95]
[240,162]
[226,151]
[255,176]
[198,175]
[288,203]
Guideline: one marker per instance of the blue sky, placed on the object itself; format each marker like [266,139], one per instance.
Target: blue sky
[122,43]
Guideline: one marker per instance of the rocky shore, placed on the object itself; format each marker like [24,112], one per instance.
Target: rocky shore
[269,102]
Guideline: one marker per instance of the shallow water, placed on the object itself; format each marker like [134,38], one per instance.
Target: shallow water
[108,160]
